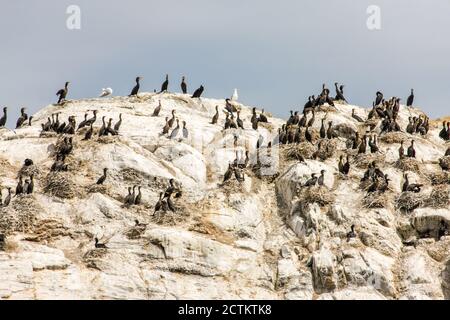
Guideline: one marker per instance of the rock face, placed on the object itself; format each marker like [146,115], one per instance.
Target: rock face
[256,239]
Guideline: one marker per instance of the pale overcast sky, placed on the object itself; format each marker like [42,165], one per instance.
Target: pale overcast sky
[275,52]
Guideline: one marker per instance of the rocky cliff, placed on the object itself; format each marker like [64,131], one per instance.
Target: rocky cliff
[266,237]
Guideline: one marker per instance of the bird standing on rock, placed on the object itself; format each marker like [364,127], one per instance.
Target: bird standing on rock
[165,84]
[62,93]
[183,85]
[198,92]
[103,177]
[135,90]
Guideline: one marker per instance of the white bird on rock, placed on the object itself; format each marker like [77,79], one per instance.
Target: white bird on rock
[235,96]
[106,92]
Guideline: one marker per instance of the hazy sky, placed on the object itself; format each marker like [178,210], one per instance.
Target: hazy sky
[275,52]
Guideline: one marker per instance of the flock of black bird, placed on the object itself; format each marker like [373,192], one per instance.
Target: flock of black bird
[297,129]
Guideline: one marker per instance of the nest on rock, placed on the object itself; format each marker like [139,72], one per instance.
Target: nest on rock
[303,150]
[20,215]
[437,178]
[61,185]
[317,194]
[409,201]
[393,137]
[439,197]
[327,149]
[375,200]
[408,164]
[169,218]
[135,232]
[362,161]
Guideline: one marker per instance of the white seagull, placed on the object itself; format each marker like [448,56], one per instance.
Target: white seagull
[106,92]
[235,96]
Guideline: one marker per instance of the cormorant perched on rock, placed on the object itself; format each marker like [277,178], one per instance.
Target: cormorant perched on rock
[346,167]
[135,90]
[255,124]
[312,181]
[183,85]
[308,135]
[414,187]
[118,123]
[322,129]
[175,131]
[103,177]
[166,127]
[170,204]
[228,173]
[99,245]
[185,131]
[352,233]
[339,92]
[401,151]
[356,117]
[239,121]
[198,92]
[216,116]
[262,117]
[330,130]
[109,129]
[379,98]
[170,189]
[410,99]
[363,145]
[89,132]
[411,152]
[83,123]
[30,187]
[159,204]
[157,110]
[8,198]
[102,130]
[62,93]
[4,117]
[373,144]
[28,162]
[138,198]
[320,180]
[91,120]
[444,133]
[172,120]
[165,84]
[23,117]
[19,187]
[302,121]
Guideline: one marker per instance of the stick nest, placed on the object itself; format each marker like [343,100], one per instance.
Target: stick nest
[375,200]
[317,194]
[20,215]
[393,137]
[328,149]
[362,161]
[296,152]
[408,164]
[439,197]
[409,201]
[61,185]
